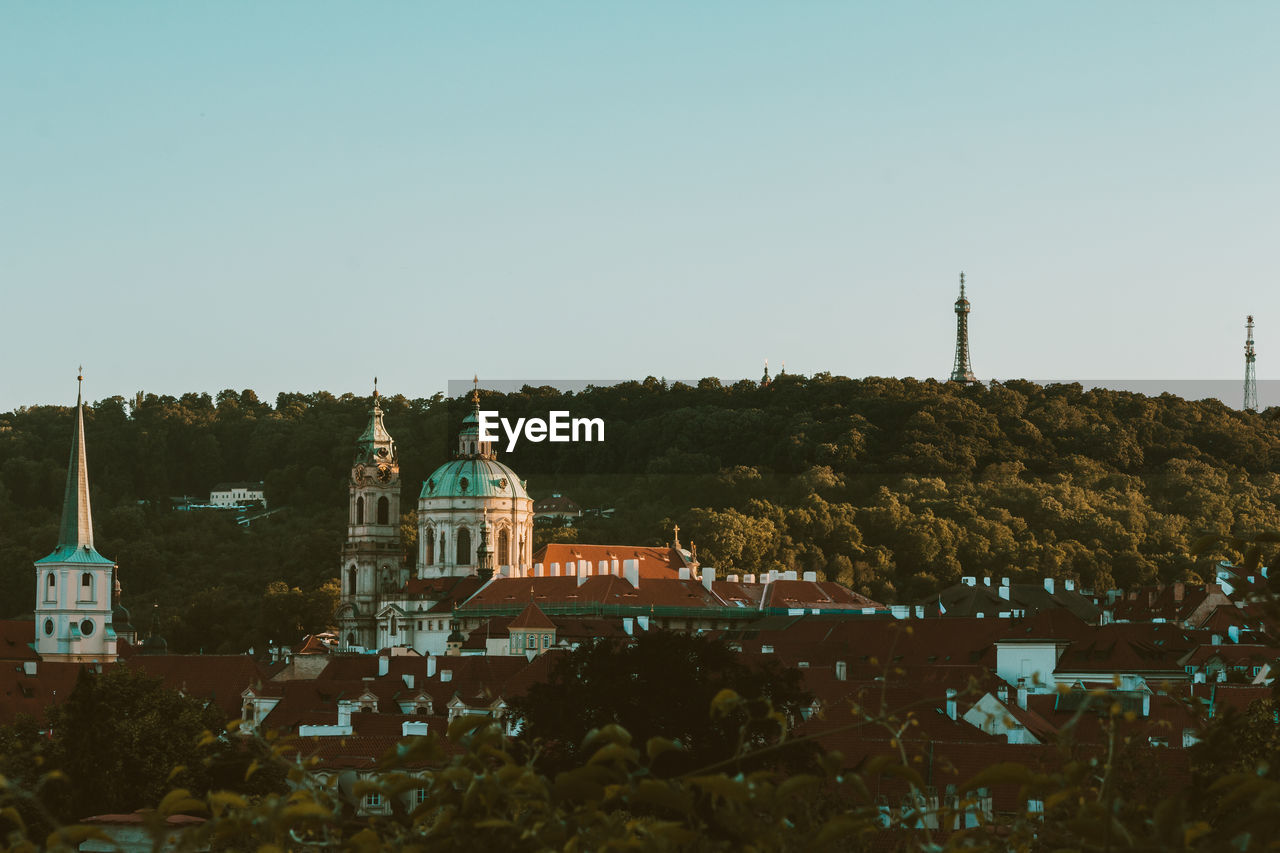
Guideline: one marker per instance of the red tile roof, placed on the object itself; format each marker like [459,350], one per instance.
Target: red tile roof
[16,638]
[532,617]
[597,589]
[654,562]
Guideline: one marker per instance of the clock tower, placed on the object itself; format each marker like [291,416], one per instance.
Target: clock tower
[373,557]
[75,582]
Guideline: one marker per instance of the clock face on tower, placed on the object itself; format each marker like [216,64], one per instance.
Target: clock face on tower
[358,475]
[384,473]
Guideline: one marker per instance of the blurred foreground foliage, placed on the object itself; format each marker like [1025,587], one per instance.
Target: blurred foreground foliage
[472,790]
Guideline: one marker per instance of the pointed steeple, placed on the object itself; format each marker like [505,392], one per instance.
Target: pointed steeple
[76,531]
[375,443]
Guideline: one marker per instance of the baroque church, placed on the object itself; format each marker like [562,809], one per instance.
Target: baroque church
[474,519]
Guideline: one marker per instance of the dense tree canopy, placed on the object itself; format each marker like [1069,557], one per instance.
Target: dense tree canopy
[893,486]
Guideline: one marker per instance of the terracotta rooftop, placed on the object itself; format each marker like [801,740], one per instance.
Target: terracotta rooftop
[532,617]
[654,562]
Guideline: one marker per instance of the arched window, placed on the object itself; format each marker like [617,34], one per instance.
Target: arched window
[351,639]
[360,510]
[393,626]
[504,547]
[351,581]
[464,547]
[86,579]
[431,547]
[384,510]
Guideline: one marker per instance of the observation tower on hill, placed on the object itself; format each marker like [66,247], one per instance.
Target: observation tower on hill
[962,370]
[1250,378]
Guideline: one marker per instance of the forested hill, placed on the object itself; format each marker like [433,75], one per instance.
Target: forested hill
[896,487]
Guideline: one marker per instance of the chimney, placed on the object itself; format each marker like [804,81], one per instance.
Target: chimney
[584,567]
[1004,581]
[1002,693]
[951,703]
[602,568]
[1179,590]
[628,625]
[408,680]
[1003,592]
[811,577]
[748,578]
[384,664]
[708,576]
[631,571]
[344,713]
[431,666]
[643,622]
[413,727]
[842,670]
[986,581]
[1146,703]
[1048,585]
[969,580]
[1070,585]
[555,570]
[582,577]
[613,564]
[537,570]
[684,573]
[1022,693]
[446,675]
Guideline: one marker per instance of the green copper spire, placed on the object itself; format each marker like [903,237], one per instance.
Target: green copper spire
[77,521]
[375,443]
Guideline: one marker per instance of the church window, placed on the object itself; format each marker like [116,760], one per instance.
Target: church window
[431,547]
[351,581]
[86,627]
[464,547]
[360,510]
[463,485]
[351,639]
[393,626]
[384,510]
[48,625]
[86,579]
[419,624]
[248,712]
[504,546]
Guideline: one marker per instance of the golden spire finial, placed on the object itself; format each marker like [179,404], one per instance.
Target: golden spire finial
[475,389]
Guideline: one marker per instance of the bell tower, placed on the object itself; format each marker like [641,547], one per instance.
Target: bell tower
[75,582]
[373,557]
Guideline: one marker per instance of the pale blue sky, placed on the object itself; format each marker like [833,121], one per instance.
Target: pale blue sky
[298,196]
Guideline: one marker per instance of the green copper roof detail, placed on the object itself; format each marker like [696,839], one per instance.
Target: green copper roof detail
[375,437]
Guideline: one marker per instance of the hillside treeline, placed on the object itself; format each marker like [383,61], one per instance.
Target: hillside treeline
[895,487]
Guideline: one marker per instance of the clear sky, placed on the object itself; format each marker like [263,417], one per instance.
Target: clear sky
[299,196]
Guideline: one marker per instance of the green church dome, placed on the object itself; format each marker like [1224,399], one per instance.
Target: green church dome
[477,477]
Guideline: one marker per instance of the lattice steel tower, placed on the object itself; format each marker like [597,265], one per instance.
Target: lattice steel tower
[1250,379]
[962,371]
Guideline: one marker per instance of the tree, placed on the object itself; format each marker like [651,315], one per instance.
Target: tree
[651,687]
[123,739]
